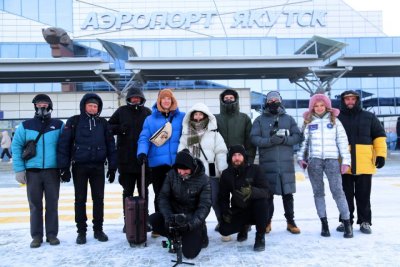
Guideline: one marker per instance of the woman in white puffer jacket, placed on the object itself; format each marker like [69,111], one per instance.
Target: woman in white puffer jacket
[200,135]
[325,150]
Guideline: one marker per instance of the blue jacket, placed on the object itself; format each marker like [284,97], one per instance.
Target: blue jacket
[87,139]
[165,154]
[46,147]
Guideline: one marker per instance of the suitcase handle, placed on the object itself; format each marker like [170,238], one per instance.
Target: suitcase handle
[143,179]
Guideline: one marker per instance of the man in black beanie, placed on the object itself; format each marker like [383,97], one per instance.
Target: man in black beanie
[243,198]
[127,123]
[186,190]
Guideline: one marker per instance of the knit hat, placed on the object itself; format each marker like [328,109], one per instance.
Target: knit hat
[166,93]
[184,160]
[320,98]
[92,100]
[273,95]
[236,149]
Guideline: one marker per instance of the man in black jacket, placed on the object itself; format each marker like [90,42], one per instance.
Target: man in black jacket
[87,141]
[186,190]
[127,123]
[243,198]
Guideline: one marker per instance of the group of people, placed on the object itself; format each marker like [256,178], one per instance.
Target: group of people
[201,161]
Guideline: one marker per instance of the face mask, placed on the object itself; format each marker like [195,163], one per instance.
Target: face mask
[273,107]
[42,113]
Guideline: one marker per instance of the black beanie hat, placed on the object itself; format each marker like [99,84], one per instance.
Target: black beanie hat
[236,149]
[184,160]
[92,100]
[42,98]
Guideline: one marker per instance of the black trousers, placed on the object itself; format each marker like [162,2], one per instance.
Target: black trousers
[157,177]
[358,187]
[256,213]
[288,206]
[128,181]
[6,151]
[191,241]
[38,183]
[94,174]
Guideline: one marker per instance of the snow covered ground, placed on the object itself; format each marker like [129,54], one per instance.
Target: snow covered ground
[381,248]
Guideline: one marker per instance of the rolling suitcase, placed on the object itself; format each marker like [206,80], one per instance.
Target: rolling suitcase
[136,216]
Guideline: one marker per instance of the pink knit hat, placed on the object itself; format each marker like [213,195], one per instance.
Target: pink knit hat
[317,98]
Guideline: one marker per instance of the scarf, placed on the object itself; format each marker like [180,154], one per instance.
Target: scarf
[196,131]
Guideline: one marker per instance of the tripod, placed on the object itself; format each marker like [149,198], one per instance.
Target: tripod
[178,248]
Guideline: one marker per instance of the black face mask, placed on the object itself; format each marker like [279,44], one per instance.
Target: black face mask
[273,107]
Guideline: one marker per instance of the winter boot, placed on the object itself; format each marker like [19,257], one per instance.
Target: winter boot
[340,228]
[204,237]
[325,228]
[242,235]
[268,228]
[81,239]
[53,241]
[365,228]
[36,242]
[259,244]
[101,236]
[292,227]
[348,229]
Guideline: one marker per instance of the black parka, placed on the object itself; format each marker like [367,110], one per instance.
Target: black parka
[191,196]
[233,179]
[127,123]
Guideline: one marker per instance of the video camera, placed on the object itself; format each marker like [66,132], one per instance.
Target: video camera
[174,242]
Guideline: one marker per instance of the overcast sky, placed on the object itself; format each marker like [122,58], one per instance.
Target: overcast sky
[390,8]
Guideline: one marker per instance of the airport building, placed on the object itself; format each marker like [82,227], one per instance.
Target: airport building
[338,45]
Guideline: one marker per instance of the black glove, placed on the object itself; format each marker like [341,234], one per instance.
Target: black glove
[65,175]
[142,158]
[277,140]
[379,162]
[227,216]
[111,175]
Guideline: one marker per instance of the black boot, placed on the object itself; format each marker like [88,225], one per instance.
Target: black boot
[101,236]
[259,245]
[81,238]
[325,228]
[348,229]
[242,235]
[204,237]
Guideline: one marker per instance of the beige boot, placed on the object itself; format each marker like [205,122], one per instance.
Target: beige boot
[268,228]
[292,227]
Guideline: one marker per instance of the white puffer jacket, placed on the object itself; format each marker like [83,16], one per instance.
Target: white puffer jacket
[211,142]
[324,140]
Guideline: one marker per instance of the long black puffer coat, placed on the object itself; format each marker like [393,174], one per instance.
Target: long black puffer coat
[127,123]
[191,196]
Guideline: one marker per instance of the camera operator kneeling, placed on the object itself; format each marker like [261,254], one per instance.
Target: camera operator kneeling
[184,203]
[250,196]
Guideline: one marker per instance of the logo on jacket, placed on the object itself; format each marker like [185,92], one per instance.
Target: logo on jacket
[52,127]
[329,125]
[313,127]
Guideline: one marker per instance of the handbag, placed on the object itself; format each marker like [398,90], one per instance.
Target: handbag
[162,135]
[211,165]
[29,149]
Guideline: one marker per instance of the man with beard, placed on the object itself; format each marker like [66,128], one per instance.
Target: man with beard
[40,173]
[243,198]
[367,141]
[186,191]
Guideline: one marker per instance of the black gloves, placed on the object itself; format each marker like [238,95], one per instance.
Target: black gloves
[111,175]
[65,175]
[379,162]
[184,228]
[142,158]
[277,140]
[227,216]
